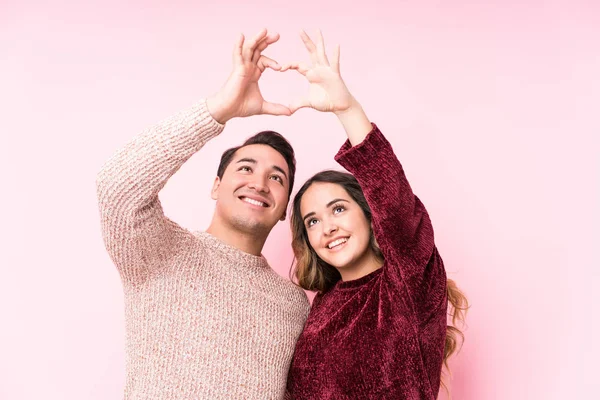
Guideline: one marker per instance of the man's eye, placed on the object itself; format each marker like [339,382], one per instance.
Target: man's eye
[277,178]
[245,168]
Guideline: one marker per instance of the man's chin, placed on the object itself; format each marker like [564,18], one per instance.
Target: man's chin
[251,226]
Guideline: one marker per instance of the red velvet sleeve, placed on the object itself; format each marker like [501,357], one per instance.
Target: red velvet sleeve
[400,221]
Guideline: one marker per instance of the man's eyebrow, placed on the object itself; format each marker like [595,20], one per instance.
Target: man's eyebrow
[276,168]
[246,159]
[253,161]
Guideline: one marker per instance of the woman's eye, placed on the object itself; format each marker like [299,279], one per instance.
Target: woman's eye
[338,209]
[311,222]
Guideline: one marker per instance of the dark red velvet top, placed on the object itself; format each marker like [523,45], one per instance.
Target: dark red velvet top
[381,336]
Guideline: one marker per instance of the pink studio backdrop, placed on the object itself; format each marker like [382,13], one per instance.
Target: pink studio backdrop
[493,110]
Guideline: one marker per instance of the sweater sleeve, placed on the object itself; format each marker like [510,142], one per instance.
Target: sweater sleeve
[136,233]
[400,221]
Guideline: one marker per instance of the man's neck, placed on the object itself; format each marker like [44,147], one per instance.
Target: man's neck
[246,242]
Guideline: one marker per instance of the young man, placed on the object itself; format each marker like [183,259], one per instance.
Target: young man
[206,317]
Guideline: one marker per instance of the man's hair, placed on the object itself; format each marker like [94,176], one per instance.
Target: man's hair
[269,138]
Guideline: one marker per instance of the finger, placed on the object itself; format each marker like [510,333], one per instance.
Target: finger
[298,104]
[237,49]
[335,63]
[266,62]
[298,66]
[263,44]
[310,46]
[275,109]
[321,48]
[259,48]
[250,45]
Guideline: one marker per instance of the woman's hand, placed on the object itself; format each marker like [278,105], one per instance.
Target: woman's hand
[327,91]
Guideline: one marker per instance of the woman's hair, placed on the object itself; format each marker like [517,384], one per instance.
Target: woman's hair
[312,273]
[457,310]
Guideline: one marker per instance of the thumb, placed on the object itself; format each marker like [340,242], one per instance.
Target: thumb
[298,104]
[274,109]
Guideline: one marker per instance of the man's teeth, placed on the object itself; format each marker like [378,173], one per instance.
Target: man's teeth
[255,202]
[337,242]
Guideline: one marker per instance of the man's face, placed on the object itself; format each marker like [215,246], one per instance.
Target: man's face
[252,195]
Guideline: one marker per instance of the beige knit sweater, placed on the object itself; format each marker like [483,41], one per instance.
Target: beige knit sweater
[204,320]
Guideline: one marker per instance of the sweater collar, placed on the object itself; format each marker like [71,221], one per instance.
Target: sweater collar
[232,253]
[357,283]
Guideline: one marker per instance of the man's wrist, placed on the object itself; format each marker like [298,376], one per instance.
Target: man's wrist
[216,109]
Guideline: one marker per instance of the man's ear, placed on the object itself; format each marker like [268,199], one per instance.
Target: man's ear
[214,193]
[285,211]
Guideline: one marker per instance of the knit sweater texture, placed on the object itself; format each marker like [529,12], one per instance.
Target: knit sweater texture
[204,320]
[380,336]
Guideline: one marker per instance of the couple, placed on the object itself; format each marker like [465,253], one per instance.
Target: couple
[207,318]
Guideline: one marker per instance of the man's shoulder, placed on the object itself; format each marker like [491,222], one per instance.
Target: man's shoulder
[294,292]
[294,289]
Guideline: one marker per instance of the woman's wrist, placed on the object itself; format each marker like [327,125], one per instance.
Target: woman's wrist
[355,122]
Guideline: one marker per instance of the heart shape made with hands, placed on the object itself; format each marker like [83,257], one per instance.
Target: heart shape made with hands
[283,88]
[242,97]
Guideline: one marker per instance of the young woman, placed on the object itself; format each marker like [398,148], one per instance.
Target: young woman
[378,325]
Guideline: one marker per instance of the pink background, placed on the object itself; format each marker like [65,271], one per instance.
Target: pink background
[493,110]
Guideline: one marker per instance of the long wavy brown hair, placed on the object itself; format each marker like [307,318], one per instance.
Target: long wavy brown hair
[311,273]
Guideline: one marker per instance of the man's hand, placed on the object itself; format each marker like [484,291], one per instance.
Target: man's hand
[240,96]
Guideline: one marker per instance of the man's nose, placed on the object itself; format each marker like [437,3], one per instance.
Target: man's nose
[259,184]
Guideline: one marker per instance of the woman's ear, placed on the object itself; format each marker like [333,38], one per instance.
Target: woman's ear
[373,242]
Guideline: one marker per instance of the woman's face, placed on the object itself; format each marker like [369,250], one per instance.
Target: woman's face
[337,228]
